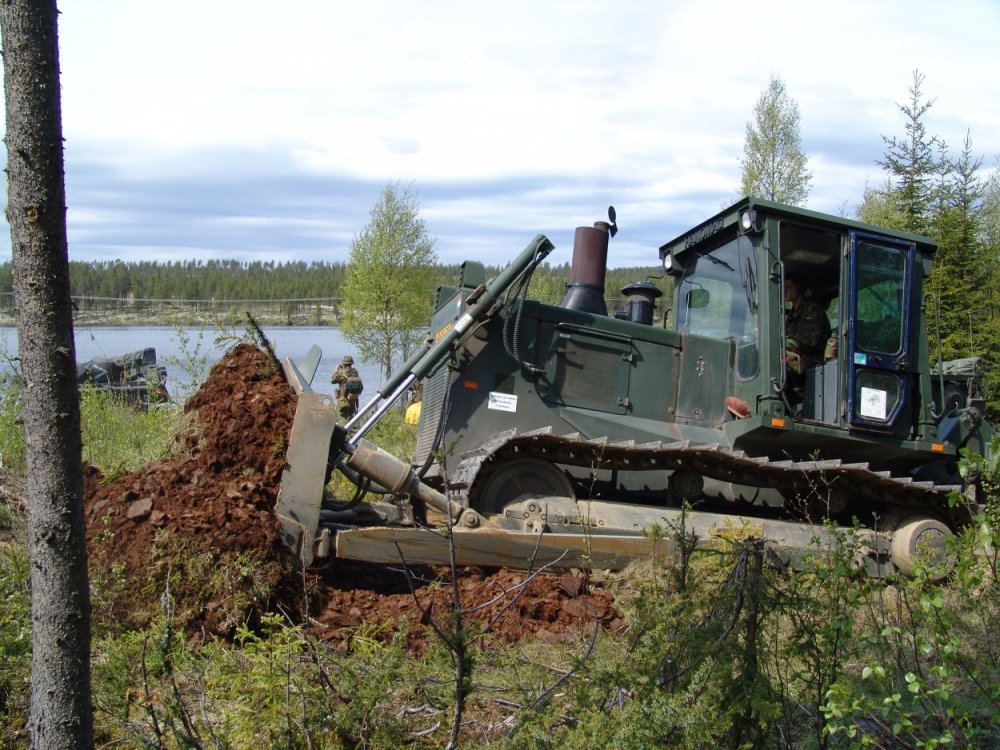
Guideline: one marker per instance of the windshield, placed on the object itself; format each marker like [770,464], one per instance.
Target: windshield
[717,297]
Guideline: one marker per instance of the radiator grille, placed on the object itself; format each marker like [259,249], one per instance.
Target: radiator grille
[430,413]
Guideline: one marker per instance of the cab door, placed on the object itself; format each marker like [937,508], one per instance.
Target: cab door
[881,307]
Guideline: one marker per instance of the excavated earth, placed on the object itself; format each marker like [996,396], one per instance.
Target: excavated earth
[201,528]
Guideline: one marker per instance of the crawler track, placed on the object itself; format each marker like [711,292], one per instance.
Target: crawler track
[712,460]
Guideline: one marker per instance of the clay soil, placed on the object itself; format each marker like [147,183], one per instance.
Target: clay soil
[201,527]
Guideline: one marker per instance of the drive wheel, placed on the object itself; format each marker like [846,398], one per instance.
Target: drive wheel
[520,477]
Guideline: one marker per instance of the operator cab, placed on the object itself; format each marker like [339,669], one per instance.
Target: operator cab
[729,276]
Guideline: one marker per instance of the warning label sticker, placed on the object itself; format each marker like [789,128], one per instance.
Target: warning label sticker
[502,401]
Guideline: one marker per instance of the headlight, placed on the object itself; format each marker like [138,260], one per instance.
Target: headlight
[671,267]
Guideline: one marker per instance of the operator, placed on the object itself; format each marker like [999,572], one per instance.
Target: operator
[349,387]
[807,331]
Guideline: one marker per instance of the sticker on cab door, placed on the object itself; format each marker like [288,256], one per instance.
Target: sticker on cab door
[874,403]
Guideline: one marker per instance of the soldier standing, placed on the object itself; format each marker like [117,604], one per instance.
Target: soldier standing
[349,387]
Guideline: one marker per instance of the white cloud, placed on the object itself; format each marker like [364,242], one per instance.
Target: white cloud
[521,116]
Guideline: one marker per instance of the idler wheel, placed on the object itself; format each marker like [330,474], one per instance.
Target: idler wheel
[921,540]
[519,477]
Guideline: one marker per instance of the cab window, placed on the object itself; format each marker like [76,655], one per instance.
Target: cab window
[881,277]
[718,299]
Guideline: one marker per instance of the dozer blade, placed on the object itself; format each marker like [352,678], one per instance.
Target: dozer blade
[308,365]
[301,492]
[496,548]
[300,374]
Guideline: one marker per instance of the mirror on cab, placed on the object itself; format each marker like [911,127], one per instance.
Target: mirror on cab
[698,298]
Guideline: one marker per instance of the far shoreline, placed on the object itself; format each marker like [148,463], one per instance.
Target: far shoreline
[118,320]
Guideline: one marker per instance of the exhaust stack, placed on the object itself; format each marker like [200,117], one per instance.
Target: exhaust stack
[590,264]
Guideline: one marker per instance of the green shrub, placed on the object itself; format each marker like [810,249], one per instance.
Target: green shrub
[928,666]
[273,688]
[11,431]
[192,360]
[987,468]
[119,439]
[15,643]
[930,669]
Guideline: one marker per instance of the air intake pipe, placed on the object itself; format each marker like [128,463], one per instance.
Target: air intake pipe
[590,265]
[640,302]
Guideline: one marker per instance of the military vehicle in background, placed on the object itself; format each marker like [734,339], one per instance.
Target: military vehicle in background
[135,378]
[565,434]
[963,386]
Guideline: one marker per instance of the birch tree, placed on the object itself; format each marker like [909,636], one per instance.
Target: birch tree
[389,281]
[774,165]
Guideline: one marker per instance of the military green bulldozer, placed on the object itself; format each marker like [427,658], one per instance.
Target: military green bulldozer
[564,434]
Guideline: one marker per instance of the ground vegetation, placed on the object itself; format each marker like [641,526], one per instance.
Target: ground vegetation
[207,635]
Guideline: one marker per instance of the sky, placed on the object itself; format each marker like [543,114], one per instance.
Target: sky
[200,129]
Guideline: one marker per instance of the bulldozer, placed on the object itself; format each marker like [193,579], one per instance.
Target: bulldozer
[571,436]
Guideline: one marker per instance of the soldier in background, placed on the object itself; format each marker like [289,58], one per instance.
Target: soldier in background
[349,387]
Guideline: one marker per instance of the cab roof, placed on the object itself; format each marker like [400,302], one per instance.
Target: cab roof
[729,218]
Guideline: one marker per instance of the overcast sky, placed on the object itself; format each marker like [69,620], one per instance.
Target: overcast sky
[200,129]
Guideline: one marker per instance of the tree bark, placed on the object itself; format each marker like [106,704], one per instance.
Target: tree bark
[60,712]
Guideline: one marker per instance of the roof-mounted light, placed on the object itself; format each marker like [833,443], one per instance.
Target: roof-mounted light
[669,267]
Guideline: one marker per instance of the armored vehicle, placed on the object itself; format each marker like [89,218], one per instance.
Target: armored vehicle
[134,377]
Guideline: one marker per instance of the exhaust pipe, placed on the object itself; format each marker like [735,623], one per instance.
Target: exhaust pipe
[590,265]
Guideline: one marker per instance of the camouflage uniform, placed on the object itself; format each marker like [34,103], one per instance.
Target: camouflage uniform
[807,331]
[347,395]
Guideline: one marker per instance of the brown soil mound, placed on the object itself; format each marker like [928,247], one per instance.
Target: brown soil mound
[508,606]
[178,523]
[202,527]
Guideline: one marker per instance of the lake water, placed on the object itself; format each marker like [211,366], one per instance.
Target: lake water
[173,346]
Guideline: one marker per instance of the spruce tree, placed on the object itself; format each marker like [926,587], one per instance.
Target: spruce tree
[911,163]
[959,271]
[60,714]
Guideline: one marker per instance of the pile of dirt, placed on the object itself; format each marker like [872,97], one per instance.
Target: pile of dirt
[507,606]
[179,523]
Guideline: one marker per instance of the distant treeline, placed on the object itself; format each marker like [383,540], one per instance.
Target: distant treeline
[198,280]
[223,280]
